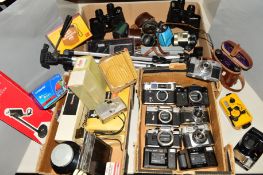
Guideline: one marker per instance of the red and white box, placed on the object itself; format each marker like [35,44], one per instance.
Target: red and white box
[112,168]
[20,111]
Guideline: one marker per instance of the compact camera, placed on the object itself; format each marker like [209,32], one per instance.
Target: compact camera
[197,158]
[208,70]
[249,148]
[102,24]
[159,93]
[162,115]
[197,136]
[164,137]
[160,158]
[191,96]
[184,39]
[194,115]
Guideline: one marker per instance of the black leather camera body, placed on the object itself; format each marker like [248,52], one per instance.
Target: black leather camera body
[197,158]
[158,93]
[160,158]
[162,115]
[249,148]
[164,137]
[194,115]
[197,136]
[191,96]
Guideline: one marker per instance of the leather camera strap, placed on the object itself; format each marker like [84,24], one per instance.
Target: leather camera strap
[240,78]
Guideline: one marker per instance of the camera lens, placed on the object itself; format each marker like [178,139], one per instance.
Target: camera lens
[165,138]
[162,96]
[165,116]
[205,67]
[195,96]
[199,136]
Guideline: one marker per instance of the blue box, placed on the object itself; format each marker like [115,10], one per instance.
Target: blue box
[165,38]
[50,91]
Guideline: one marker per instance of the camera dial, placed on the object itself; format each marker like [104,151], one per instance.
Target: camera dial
[195,96]
[162,95]
[199,136]
[165,138]
[165,116]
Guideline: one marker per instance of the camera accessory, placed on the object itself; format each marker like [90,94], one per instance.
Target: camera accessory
[21,112]
[162,115]
[90,157]
[164,137]
[109,109]
[87,82]
[121,31]
[111,46]
[173,51]
[160,158]
[148,40]
[194,115]
[233,60]
[73,32]
[197,158]
[158,93]
[208,70]
[197,96]
[164,35]
[236,111]
[118,71]
[249,149]
[50,91]
[197,136]
[113,21]
[71,119]
[142,18]
[184,39]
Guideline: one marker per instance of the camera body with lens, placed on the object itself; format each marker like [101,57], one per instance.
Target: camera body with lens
[194,115]
[208,70]
[159,93]
[156,157]
[249,148]
[163,137]
[162,115]
[197,158]
[112,21]
[191,96]
[197,136]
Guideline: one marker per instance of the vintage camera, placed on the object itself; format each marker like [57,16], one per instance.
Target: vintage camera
[102,24]
[194,115]
[249,148]
[162,115]
[208,70]
[160,158]
[197,136]
[197,158]
[158,93]
[191,96]
[184,39]
[164,137]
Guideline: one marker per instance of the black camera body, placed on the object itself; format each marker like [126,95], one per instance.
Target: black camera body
[191,96]
[163,137]
[249,148]
[162,115]
[102,24]
[197,158]
[160,158]
[159,93]
[194,115]
[197,136]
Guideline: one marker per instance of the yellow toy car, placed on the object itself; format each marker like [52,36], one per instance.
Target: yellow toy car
[236,111]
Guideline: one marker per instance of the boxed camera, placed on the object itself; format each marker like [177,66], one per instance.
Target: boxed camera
[194,144]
